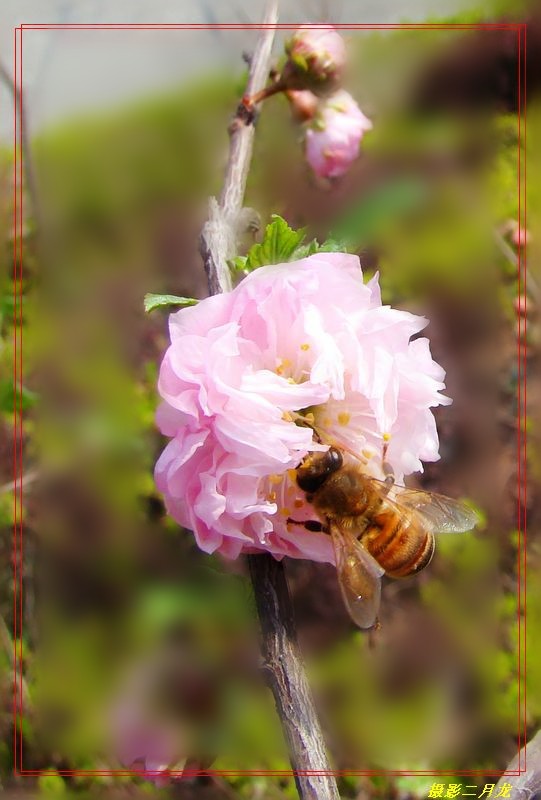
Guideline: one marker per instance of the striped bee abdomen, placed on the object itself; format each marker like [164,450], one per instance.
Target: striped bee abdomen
[398,544]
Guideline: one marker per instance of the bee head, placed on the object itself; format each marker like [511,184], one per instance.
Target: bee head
[316,468]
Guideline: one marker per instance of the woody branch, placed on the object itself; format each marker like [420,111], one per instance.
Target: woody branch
[282,660]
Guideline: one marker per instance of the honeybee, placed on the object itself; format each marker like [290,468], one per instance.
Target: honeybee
[374,533]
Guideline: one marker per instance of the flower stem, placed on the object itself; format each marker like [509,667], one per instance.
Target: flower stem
[252,100]
[287,680]
[282,661]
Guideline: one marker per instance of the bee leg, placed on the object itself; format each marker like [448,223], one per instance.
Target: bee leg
[389,476]
[373,635]
[313,525]
[387,468]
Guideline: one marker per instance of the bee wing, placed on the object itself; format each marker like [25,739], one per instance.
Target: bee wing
[441,514]
[359,576]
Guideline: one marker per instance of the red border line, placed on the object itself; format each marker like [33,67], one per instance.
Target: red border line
[520,28]
[287,26]
[525,452]
[284,773]
[519,406]
[15,459]
[521,401]
[18,432]
[21,562]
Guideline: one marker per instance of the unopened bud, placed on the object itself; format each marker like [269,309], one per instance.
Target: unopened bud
[333,139]
[316,59]
[303,104]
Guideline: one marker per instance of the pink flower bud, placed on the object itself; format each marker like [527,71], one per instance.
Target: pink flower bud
[332,141]
[316,59]
[303,104]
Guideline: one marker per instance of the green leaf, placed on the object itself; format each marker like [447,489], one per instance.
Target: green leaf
[333,246]
[238,263]
[300,62]
[279,244]
[366,221]
[8,402]
[153,301]
[305,250]
[7,304]
[51,783]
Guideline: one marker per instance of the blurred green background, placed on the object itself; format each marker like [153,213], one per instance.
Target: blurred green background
[119,607]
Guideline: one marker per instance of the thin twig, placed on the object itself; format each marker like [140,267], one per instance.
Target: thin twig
[9,649]
[218,238]
[27,479]
[527,785]
[26,156]
[242,132]
[282,662]
[507,251]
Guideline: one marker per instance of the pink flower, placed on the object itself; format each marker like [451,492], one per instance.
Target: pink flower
[304,335]
[332,142]
[144,745]
[316,59]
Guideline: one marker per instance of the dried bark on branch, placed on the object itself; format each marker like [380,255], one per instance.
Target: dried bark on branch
[287,679]
[282,662]
[528,785]
[218,238]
